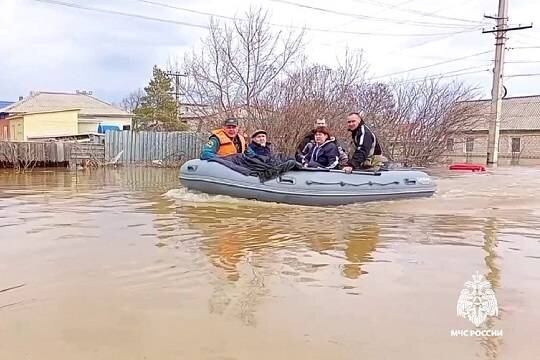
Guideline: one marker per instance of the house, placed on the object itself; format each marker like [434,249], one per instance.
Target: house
[519,136]
[4,122]
[56,114]
[3,104]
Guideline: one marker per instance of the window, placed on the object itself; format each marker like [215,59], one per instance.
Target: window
[126,127]
[469,145]
[20,134]
[516,145]
[449,144]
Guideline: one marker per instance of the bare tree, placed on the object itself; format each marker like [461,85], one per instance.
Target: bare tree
[21,156]
[245,69]
[132,101]
[238,64]
[414,120]
[307,93]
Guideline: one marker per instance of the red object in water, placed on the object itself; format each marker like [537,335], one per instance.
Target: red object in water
[469,167]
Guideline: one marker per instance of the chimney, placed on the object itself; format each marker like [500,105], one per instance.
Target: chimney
[20,98]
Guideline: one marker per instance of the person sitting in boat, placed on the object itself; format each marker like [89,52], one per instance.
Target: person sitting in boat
[367,154]
[308,140]
[259,144]
[324,153]
[224,141]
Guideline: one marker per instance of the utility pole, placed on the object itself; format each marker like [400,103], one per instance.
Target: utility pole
[500,31]
[177,92]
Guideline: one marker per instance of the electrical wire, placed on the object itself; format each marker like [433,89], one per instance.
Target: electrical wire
[447,74]
[434,64]
[522,75]
[373,18]
[169,21]
[418,12]
[219,16]
[121,13]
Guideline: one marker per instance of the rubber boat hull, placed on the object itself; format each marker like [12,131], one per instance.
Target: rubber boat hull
[307,187]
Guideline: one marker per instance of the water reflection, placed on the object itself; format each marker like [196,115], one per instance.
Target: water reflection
[284,235]
[491,345]
[359,248]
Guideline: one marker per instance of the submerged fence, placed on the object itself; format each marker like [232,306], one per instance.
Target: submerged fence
[132,147]
[119,147]
[29,154]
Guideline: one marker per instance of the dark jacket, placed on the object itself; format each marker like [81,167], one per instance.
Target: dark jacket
[260,150]
[365,145]
[302,149]
[325,155]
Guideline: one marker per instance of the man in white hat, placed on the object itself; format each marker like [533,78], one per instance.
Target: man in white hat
[259,143]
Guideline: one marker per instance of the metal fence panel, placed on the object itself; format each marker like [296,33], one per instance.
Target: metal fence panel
[148,146]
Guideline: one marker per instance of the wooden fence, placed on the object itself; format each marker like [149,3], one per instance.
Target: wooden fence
[146,147]
[91,154]
[30,154]
[120,147]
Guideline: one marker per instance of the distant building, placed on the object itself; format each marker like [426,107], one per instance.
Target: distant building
[3,104]
[205,118]
[519,133]
[55,114]
[4,123]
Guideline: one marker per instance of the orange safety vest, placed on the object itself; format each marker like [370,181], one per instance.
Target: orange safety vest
[226,145]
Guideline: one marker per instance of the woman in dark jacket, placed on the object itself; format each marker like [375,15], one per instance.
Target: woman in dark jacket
[324,153]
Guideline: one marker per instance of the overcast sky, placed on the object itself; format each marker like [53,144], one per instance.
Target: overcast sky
[47,46]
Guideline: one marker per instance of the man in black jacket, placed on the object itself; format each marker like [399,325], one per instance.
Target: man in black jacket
[366,154]
[259,145]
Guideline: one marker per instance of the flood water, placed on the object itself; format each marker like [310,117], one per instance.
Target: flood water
[124,264]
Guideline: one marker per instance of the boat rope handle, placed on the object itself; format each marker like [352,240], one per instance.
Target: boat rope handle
[343,183]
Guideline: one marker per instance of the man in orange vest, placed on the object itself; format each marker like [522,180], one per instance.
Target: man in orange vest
[224,141]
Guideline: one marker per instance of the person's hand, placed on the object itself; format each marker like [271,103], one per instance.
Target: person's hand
[347,169]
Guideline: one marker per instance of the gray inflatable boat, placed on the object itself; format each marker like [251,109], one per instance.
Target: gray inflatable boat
[307,187]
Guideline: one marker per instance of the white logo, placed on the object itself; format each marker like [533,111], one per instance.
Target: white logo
[477,300]
[423,180]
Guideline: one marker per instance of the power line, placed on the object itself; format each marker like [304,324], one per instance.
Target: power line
[425,43]
[121,13]
[525,47]
[442,76]
[168,6]
[434,64]
[418,12]
[521,75]
[156,3]
[373,18]
[522,62]
[150,18]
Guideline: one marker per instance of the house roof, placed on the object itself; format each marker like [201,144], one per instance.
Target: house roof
[53,101]
[18,115]
[3,104]
[518,113]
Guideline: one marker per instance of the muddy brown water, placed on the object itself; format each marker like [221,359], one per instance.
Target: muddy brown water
[124,264]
